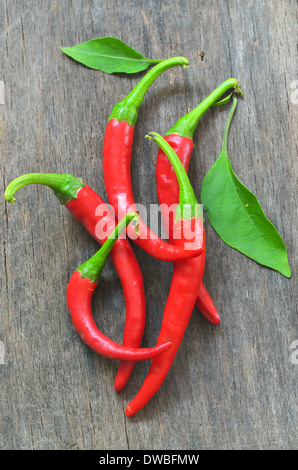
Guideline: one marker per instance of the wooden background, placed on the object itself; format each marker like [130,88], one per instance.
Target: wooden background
[232,386]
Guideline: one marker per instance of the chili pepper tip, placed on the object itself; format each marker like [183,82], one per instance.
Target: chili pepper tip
[150,135]
[9,197]
[135,221]
[238,90]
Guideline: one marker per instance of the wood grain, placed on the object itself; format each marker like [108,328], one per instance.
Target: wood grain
[232,386]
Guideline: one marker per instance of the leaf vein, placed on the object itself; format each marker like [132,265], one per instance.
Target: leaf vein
[249,218]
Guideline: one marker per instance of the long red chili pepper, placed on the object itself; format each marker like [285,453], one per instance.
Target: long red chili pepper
[180,138]
[80,289]
[117,150]
[91,211]
[187,277]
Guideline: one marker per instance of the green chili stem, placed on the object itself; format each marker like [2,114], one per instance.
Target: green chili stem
[188,205]
[223,101]
[65,186]
[155,61]
[229,120]
[186,125]
[127,109]
[92,268]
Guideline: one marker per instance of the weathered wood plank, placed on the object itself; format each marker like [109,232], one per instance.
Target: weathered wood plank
[231,386]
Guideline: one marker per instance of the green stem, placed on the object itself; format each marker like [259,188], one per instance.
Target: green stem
[92,268]
[155,61]
[223,101]
[188,205]
[127,109]
[65,186]
[229,120]
[186,126]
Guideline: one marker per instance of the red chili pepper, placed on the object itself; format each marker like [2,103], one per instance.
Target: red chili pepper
[180,138]
[83,203]
[84,209]
[80,289]
[187,277]
[205,305]
[117,150]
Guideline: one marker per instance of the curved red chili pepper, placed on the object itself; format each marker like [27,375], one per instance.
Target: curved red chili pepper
[168,195]
[128,270]
[117,150]
[205,305]
[187,277]
[180,138]
[84,209]
[79,296]
[83,203]
[80,290]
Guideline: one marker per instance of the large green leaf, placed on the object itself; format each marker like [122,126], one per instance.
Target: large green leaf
[109,55]
[236,215]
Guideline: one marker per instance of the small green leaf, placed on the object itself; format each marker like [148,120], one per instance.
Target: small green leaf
[110,55]
[236,215]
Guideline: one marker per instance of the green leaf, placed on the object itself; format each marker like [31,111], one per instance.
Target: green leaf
[109,55]
[236,215]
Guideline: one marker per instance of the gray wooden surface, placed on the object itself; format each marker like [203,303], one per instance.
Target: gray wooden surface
[231,386]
